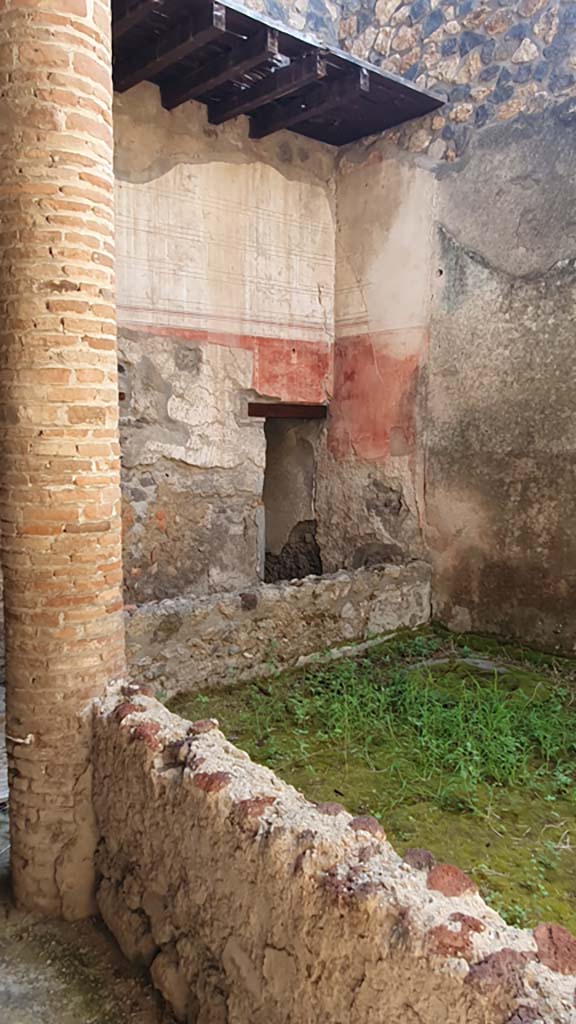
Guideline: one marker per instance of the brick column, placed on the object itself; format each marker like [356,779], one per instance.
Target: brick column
[60,507]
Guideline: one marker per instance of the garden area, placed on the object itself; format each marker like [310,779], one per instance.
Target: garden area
[463,745]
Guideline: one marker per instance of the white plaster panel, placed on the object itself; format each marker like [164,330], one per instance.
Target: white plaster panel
[226,247]
[384,247]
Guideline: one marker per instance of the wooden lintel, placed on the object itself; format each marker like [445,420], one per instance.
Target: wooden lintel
[243,58]
[133,15]
[319,100]
[187,37]
[282,83]
[284,410]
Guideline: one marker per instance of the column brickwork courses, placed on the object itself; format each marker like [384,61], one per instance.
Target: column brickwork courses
[60,499]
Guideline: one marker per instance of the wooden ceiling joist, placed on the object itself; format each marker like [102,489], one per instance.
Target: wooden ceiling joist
[238,62]
[284,82]
[186,38]
[132,15]
[319,101]
[246,56]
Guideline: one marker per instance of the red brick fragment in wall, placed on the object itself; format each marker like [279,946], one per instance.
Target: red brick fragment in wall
[455,938]
[502,969]
[556,948]
[212,782]
[366,823]
[450,880]
[373,411]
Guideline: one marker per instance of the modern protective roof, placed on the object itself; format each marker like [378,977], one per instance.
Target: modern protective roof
[237,62]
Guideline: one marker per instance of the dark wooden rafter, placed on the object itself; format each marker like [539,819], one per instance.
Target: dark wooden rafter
[132,15]
[284,82]
[187,37]
[243,58]
[320,100]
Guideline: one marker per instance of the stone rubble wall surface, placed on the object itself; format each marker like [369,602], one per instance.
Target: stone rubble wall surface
[314,17]
[490,61]
[248,903]
[186,644]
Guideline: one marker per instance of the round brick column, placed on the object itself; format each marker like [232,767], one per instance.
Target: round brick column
[60,505]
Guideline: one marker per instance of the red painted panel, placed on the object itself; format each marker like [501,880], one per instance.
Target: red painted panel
[293,371]
[373,412]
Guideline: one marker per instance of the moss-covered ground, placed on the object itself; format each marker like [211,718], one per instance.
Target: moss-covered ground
[463,745]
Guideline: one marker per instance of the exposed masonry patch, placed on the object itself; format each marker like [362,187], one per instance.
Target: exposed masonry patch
[248,903]
[185,644]
[300,556]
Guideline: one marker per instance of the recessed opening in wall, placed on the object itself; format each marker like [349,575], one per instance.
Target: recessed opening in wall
[293,434]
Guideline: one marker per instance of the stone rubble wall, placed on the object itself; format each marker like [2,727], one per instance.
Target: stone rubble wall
[314,17]
[186,644]
[490,61]
[249,904]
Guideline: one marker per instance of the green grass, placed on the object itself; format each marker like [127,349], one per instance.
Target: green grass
[478,765]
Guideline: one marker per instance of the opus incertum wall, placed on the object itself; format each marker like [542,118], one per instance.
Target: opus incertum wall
[188,644]
[316,17]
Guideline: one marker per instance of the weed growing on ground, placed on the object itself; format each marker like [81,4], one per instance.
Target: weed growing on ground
[474,731]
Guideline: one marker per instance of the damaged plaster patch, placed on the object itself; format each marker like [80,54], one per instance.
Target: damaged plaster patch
[501,446]
[521,173]
[192,467]
[150,141]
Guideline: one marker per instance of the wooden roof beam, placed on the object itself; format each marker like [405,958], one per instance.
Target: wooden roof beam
[320,100]
[186,38]
[241,59]
[284,82]
[133,15]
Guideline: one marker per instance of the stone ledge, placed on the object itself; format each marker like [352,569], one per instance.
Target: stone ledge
[184,644]
[249,903]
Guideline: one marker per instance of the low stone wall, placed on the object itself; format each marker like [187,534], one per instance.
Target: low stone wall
[250,904]
[184,644]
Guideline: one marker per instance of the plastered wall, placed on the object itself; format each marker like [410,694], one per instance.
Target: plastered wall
[371,484]
[422,283]
[495,437]
[263,270]
[225,268]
